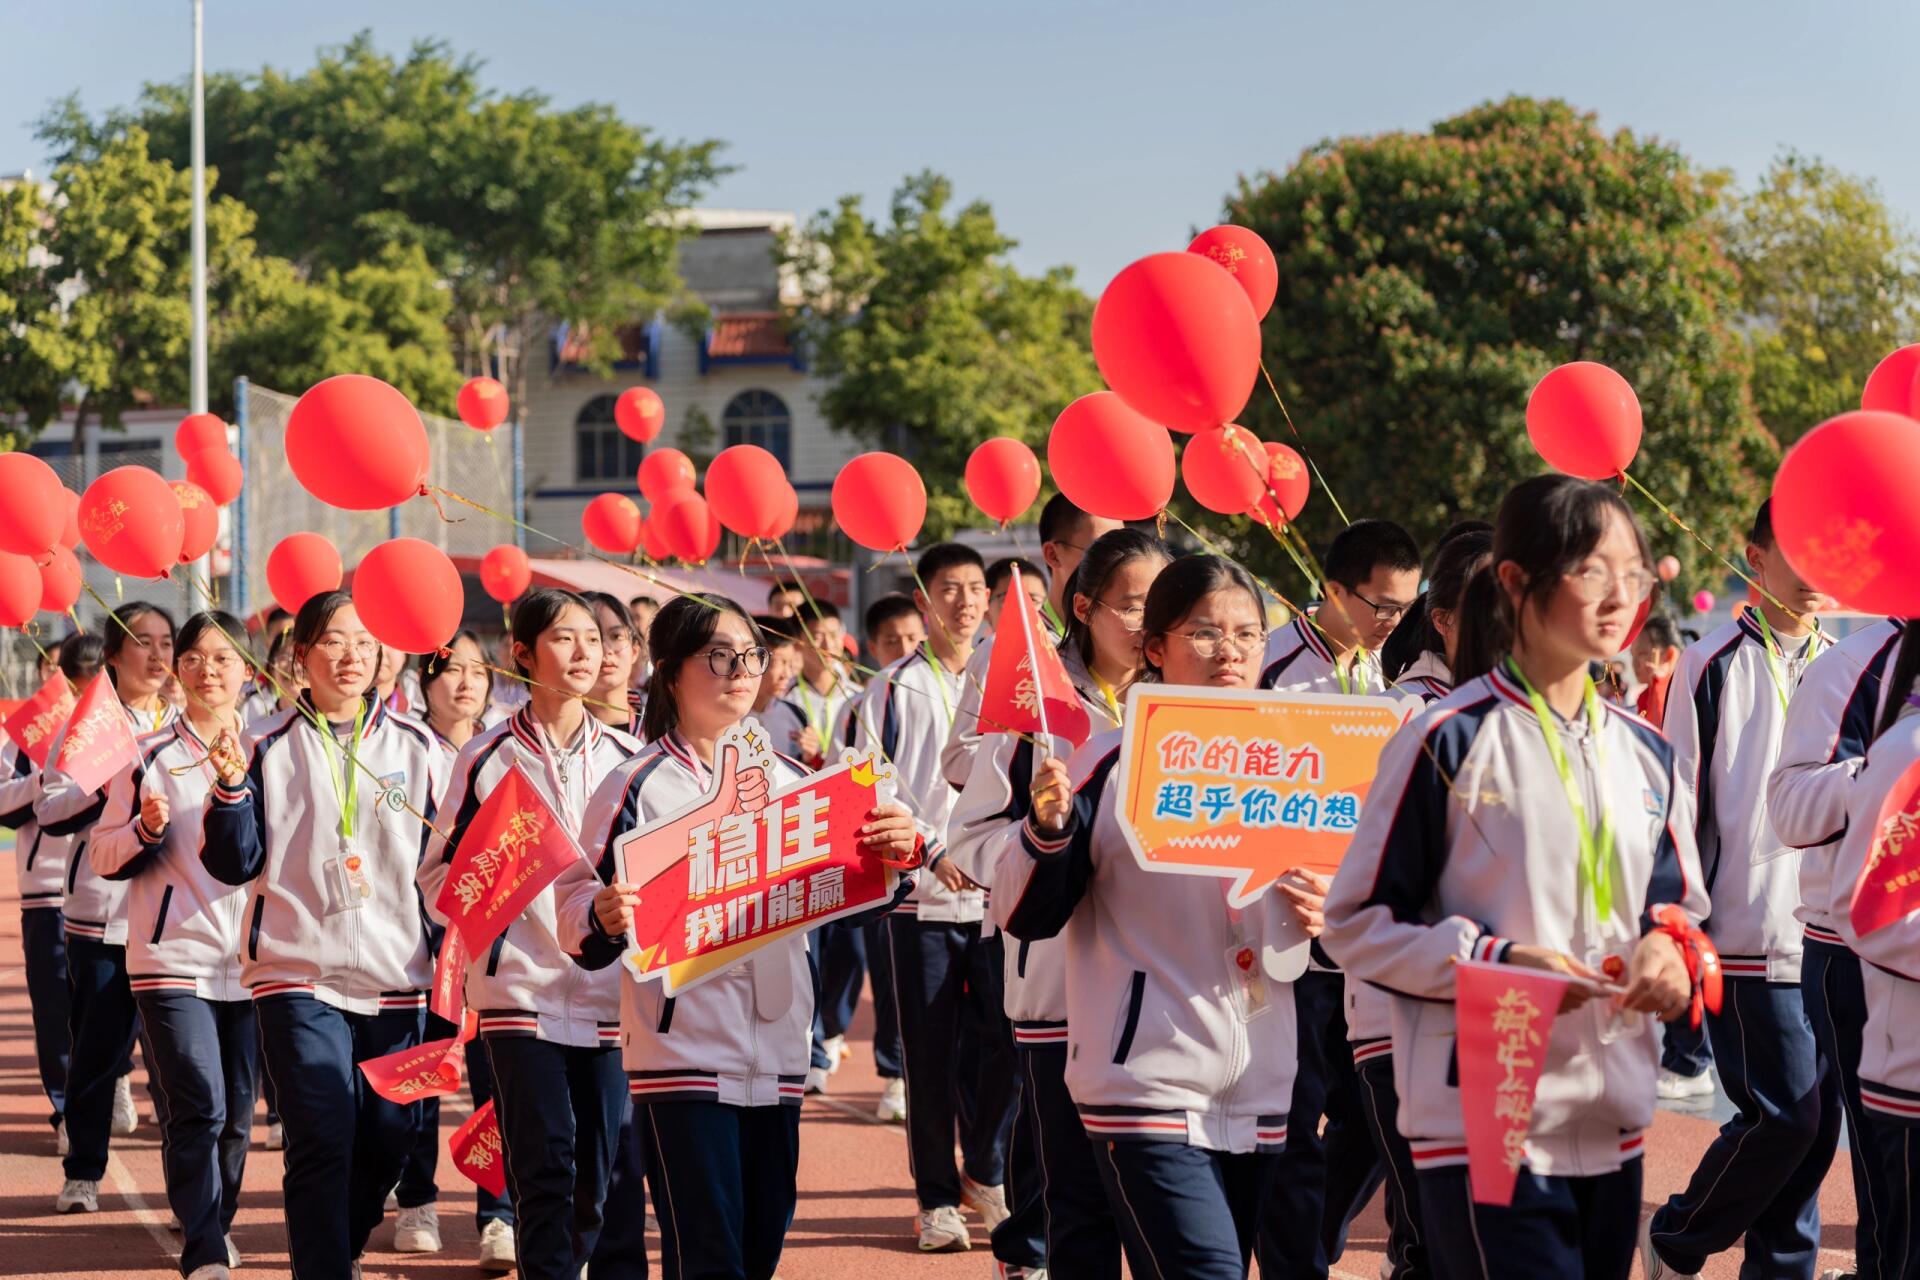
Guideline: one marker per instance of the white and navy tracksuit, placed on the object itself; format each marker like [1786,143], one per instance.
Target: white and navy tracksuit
[946,968]
[1725,714]
[1465,848]
[40,875]
[103,1020]
[183,965]
[550,1028]
[335,949]
[1324,1180]
[1180,1028]
[1830,722]
[849,950]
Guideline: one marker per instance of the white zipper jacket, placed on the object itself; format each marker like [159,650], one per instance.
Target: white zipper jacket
[39,860]
[909,714]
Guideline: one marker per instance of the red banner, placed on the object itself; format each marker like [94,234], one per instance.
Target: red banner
[449,995]
[430,1070]
[1027,689]
[1504,1015]
[510,853]
[99,740]
[478,1152]
[35,721]
[1889,885]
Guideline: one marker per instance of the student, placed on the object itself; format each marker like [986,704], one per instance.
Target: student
[1373,579]
[276,693]
[1059,1221]
[641,609]
[782,718]
[611,701]
[1497,785]
[785,599]
[550,1031]
[183,945]
[138,651]
[1655,652]
[1726,711]
[946,982]
[1180,1058]
[324,818]
[1032,579]
[824,687]
[715,1072]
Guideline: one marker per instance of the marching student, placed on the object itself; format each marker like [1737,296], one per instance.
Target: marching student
[716,1072]
[1059,1221]
[1656,652]
[825,687]
[641,609]
[611,700]
[1469,852]
[1726,711]
[138,651]
[549,1028]
[276,694]
[779,715]
[183,945]
[1032,579]
[1180,1045]
[785,599]
[323,815]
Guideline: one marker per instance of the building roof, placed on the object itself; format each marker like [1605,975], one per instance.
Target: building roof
[750,335]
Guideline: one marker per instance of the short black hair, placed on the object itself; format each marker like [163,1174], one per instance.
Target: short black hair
[682,628]
[1060,518]
[1661,631]
[820,610]
[1762,532]
[82,656]
[537,610]
[648,601]
[943,556]
[216,620]
[1002,569]
[785,586]
[886,609]
[779,632]
[1367,545]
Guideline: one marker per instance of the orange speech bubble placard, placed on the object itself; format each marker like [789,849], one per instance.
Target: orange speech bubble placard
[1246,783]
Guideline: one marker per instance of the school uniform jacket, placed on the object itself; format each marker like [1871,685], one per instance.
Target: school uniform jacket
[39,860]
[278,832]
[1466,846]
[784,722]
[823,712]
[526,984]
[1829,724]
[184,926]
[910,711]
[1426,677]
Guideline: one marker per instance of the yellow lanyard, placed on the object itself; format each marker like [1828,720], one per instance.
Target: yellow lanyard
[1596,849]
[1106,692]
[344,791]
[1775,655]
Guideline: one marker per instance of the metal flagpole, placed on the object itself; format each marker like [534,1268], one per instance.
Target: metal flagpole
[197,393]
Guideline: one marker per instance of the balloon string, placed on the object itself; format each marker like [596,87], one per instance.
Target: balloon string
[1303,445]
[1207,542]
[1710,549]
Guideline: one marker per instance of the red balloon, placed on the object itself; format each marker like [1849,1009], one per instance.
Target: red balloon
[20,590]
[202,519]
[1246,258]
[505,574]
[744,487]
[197,433]
[1287,477]
[132,523]
[1668,568]
[70,538]
[688,527]
[218,473]
[1003,478]
[31,510]
[1225,469]
[880,501]
[409,595]
[1846,510]
[300,567]
[1109,460]
[356,443]
[652,545]
[612,523]
[639,413]
[789,512]
[482,404]
[1178,339]
[1894,384]
[1585,420]
[665,472]
[59,581]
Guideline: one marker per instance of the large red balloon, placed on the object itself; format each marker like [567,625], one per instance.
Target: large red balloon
[639,413]
[1225,469]
[409,595]
[1177,338]
[132,523]
[202,527]
[652,545]
[688,527]
[300,567]
[482,404]
[1585,420]
[197,433]
[1109,460]
[32,512]
[611,522]
[505,574]
[1846,510]
[218,473]
[789,512]
[1003,478]
[356,443]
[1246,258]
[70,536]
[744,487]
[59,581]
[880,501]
[1894,384]
[665,472]
[20,589]
[1288,480]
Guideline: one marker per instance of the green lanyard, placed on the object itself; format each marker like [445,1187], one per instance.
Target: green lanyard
[1775,653]
[940,675]
[343,789]
[1596,849]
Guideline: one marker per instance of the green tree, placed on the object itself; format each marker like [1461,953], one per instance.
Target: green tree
[1427,280]
[31,373]
[932,340]
[1830,283]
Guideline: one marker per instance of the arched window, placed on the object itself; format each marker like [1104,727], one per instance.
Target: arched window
[760,417]
[602,455]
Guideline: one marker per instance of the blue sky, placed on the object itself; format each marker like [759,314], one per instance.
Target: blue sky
[1099,132]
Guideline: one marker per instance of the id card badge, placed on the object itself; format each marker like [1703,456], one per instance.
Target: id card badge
[1247,982]
[348,886]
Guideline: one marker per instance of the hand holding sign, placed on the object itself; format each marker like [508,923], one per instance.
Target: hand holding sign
[613,907]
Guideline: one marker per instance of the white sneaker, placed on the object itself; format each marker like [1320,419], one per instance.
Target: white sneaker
[893,1102]
[417,1230]
[60,1144]
[816,1080]
[79,1196]
[209,1271]
[276,1139]
[1652,1266]
[838,1051]
[1674,1087]
[943,1231]
[125,1118]
[496,1246]
[989,1202]
[233,1254]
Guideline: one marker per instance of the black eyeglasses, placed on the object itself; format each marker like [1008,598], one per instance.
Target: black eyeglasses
[726,662]
[1381,612]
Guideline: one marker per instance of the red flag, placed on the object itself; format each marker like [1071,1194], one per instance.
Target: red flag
[511,852]
[449,996]
[99,741]
[1889,885]
[35,721]
[1504,1015]
[477,1152]
[430,1070]
[1027,689]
